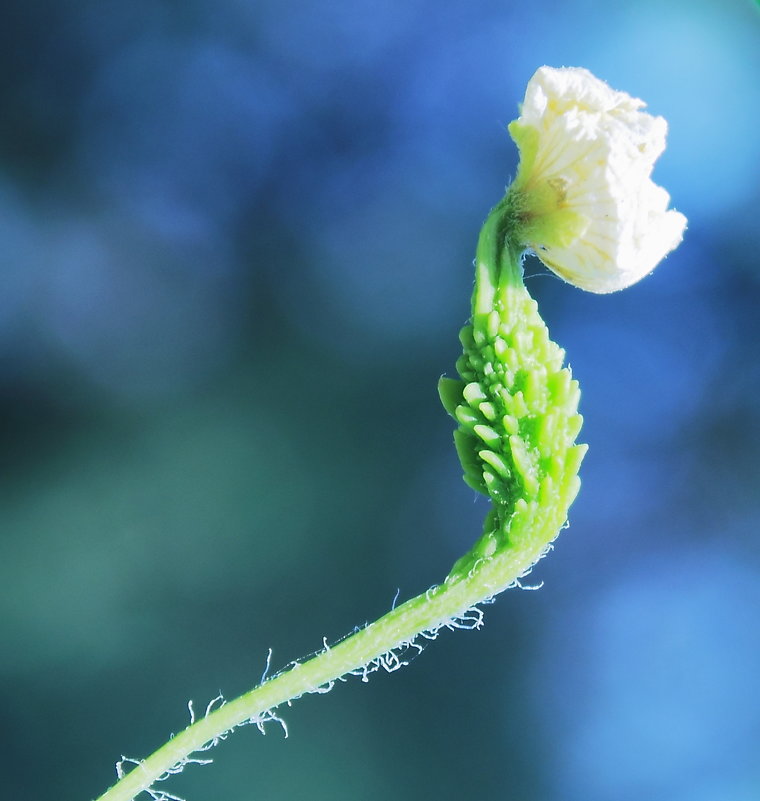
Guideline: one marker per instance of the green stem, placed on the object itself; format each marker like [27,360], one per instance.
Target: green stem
[425,613]
[497,259]
[517,412]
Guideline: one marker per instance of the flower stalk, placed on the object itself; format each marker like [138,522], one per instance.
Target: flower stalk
[527,513]
[443,605]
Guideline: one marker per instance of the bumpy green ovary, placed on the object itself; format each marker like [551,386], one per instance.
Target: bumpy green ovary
[517,412]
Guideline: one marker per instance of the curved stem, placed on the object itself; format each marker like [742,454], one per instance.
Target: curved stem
[426,612]
[497,258]
[517,412]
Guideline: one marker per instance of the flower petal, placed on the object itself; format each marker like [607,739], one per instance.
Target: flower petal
[589,208]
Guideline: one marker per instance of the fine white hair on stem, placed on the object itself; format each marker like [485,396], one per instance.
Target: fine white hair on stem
[267,717]
[529,587]
[266,666]
[389,661]
[217,702]
[260,721]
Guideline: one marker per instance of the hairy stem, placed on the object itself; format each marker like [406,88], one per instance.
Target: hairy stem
[426,612]
[516,406]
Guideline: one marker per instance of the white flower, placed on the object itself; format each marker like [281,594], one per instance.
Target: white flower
[585,200]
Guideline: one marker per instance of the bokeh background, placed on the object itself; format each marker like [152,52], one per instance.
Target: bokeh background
[236,245]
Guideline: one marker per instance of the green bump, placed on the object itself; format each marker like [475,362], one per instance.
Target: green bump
[559,384]
[573,488]
[510,357]
[493,324]
[546,491]
[524,464]
[533,389]
[488,410]
[494,460]
[495,487]
[574,458]
[505,329]
[521,506]
[487,434]
[523,340]
[574,423]
[518,406]
[547,431]
[556,467]
[573,395]
[510,423]
[554,356]
[466,416]
[473,393]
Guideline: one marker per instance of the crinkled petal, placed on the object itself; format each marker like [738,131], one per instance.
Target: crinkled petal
[591,211]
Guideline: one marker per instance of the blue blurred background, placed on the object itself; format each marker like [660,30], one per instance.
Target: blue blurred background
[236,243]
